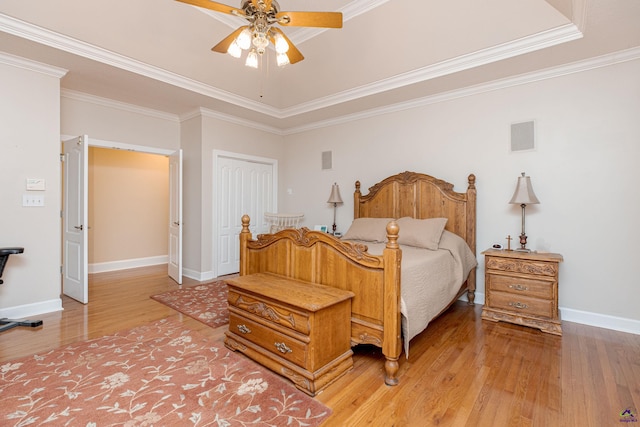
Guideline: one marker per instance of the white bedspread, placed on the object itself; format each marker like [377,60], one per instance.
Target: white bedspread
[430,280]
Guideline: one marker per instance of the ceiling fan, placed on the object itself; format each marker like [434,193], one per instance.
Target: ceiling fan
[263,15]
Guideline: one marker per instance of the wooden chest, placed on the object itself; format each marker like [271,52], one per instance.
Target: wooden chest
[297,329]
[522,288]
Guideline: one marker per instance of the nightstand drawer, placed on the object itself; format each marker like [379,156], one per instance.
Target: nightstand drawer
[273,341]
[520,286]
[523,304]
[524,266]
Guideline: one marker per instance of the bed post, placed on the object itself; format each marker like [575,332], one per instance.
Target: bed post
[471,235]
[392,339]
[356,201]
[245,236]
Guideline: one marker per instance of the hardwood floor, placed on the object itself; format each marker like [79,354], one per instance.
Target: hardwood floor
[462,371]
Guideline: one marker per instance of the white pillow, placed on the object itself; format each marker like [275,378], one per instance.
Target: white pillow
[421,233]
[368,230]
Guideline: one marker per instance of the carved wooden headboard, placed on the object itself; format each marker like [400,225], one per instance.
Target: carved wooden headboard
[421,196]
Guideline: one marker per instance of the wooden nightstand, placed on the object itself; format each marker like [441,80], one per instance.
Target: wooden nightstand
[522,288]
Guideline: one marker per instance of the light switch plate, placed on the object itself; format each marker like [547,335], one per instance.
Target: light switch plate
[32,200]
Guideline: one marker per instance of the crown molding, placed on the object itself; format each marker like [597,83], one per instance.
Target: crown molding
[50,38]
[205,112]
[549,73]
[546,74]
[27,64]
[461,63]
[123,106]
[524,45]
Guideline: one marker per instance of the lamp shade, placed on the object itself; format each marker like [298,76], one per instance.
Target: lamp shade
[335,194]
[524,194]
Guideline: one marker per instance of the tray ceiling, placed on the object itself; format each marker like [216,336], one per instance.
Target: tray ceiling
[156,53]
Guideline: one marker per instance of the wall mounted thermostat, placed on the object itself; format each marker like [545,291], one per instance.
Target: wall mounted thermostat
[35,184]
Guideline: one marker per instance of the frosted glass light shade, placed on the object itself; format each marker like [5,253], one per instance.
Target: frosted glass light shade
[244,39]
[252,59]
[234,50]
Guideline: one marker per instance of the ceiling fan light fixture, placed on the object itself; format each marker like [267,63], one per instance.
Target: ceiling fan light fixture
[282,59]
[252,59]
[260,42]
[244,39]
[234,50]
[262,17]
[281,44]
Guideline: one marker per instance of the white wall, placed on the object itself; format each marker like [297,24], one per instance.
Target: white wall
[583,171]
[117,122]
[30,148]
[201,135]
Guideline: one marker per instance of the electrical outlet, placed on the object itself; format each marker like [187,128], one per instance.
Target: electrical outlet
[32,200]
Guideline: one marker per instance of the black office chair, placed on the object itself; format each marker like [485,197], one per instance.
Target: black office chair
[6,324]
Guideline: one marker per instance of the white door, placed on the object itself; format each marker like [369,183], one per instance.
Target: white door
[243,187]
[175,216]
[74,219]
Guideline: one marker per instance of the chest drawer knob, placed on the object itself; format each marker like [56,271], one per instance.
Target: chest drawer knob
[243,329]
[282,348]
[519,287]
[518,305]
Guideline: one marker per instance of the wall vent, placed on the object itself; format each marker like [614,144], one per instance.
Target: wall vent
[523,136]
[326,160]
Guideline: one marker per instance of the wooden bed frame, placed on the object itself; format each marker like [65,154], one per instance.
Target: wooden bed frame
[317,257]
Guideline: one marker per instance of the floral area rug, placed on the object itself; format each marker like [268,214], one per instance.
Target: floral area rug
[205,303]
[161,374]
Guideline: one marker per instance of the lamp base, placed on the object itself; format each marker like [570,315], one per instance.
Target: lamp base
[523,243]
[522,250]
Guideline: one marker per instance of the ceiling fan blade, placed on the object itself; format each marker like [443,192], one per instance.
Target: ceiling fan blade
[226,42]
[293,53]
[212,5]
[310,19]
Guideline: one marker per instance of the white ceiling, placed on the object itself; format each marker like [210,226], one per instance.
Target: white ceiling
[156,53]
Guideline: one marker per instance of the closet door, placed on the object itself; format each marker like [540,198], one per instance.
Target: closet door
[243,187]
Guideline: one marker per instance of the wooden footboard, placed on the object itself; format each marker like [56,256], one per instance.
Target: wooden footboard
[317,257]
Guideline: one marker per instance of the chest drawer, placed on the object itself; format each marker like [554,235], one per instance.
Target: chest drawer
[523,304]
[272,311]
[277,343]
[521,286]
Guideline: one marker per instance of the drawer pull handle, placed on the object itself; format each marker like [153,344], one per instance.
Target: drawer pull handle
[518,305]
[244,329]
[282,348]
[518,287]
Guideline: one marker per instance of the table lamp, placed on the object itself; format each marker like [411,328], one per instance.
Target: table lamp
[335,199]
[524,196]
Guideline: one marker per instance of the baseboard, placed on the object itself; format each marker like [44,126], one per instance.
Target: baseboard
[204,276]
[127,263]
[30,310]
[615,323]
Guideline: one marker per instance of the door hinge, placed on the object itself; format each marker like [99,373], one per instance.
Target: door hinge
[62,157]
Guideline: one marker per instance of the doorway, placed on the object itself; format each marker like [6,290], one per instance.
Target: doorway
[135,188]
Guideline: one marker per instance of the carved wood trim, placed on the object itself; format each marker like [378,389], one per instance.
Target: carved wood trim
[521,266]
[265,311]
